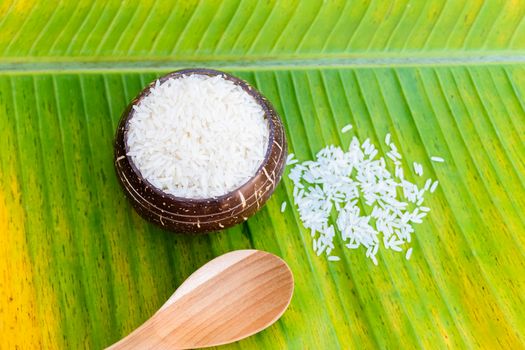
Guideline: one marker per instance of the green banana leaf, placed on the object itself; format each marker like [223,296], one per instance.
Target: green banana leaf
[80,269]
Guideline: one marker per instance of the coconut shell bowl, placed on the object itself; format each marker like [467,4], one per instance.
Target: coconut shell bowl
[193,216]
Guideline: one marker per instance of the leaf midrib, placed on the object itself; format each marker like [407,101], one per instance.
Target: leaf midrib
[35,65]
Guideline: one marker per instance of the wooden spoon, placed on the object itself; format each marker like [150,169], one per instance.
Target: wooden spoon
[229,298]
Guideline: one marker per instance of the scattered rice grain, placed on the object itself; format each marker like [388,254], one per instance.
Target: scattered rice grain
[346,128]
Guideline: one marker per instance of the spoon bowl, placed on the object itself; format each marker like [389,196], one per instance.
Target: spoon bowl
[229,298]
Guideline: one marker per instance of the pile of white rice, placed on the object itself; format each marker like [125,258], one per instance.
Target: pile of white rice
[352,196]
[197,136]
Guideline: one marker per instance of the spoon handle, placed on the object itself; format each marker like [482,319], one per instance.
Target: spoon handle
[143,338]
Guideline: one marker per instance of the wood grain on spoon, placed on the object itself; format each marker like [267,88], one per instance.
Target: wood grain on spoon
[229,298]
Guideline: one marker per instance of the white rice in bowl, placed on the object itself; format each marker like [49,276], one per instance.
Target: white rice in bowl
[197,136]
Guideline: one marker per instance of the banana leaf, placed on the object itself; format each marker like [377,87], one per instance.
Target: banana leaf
[80,269]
